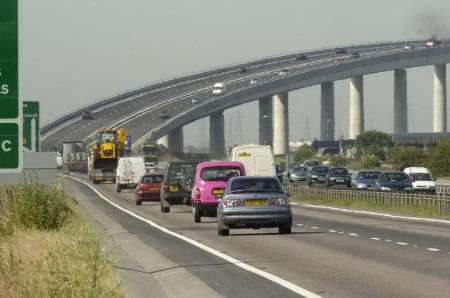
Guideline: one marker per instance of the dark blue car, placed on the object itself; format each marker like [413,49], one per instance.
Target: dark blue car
[393,181]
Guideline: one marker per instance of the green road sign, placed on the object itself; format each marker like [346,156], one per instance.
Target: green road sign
[31,130]
[9,74]
[10,113]
[9,146]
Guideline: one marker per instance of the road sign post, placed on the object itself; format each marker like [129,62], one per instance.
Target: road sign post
[10,105]
[31,130]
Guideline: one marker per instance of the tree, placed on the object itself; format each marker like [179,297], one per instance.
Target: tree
[403,157]
[303,153]
[374,143]
[439,161]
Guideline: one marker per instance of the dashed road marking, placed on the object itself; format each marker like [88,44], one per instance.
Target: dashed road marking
[300,225]
[353,235]
[433,249]
[332,231]
[388,240]
[402,243]
[376,238]
[315,228]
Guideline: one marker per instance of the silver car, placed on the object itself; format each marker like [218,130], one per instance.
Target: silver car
[254,202]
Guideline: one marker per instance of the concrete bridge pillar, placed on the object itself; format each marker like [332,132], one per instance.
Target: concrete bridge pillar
[327,112]
[356,119]
[265,121]
[440,98]
[175,140]
[217,134]
[400,101]
[164,141]
[280,124]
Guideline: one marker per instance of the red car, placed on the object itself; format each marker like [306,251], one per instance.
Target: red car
[148,188]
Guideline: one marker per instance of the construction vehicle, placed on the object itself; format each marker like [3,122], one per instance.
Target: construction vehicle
[104,154]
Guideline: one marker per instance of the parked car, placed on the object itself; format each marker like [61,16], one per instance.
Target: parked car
[242,69]
[393,181]
[317,174]
[365,179]
[129,172]
[421,179]
[148,188]
[356,55]
[172,191]
[211,178]
[298,174]
[253,81]
[218,89]
[409,47]
[309,163]
[338,176]
[254,202]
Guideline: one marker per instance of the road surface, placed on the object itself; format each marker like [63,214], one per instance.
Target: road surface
[330,254]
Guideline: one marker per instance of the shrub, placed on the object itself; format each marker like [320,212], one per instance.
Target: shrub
[403,157]
[439,160]
[303,153]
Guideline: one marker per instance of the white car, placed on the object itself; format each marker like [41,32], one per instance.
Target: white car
[421,179]
[283,72]
[196,100]
[218,89]
[253,81]
[409,47]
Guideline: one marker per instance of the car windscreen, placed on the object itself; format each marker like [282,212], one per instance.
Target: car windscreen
[369,175]
[339,172]
[421,177]
[298,171]
[220,173]
[395,177]
[178,172]
[152,179]
[320,170]
[249,185]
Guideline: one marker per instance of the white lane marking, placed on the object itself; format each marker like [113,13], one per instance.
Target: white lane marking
[388,240]
[353,235]
[332,231]
[341,232]
[402,243]
[294,203]
[378,214]
[271,277]
[433,249]
[315,228]
[300,225]
[375,238]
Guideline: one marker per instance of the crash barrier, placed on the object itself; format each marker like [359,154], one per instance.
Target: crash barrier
[439,202]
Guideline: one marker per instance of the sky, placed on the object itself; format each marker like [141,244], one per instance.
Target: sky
[78,52]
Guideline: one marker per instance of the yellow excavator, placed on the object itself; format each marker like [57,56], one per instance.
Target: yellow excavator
[104,154]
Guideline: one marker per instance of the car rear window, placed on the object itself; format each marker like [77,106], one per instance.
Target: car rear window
[320,170]
[369,175]
[179,172]
[339,171]
[395,177]
[256,185]
[220,173]
[421,177]
[152,179]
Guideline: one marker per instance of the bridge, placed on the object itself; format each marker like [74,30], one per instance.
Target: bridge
[268,81]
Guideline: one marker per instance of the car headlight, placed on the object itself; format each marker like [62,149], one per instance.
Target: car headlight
[231,202]
[332,178]
[385,188]
[314,176]
[361,185]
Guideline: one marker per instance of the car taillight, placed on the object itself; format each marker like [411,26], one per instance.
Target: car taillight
[232,202]
[279,202]
[197,194]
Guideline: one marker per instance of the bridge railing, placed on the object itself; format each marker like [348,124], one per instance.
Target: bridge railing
[438,203]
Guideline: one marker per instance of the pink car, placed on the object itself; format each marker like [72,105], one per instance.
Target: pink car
[211,178]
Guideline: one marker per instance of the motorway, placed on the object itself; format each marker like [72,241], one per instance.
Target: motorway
[330,254]
[140,113]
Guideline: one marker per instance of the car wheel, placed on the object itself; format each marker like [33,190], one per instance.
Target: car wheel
[285,229]
[221,231]
[138,202]
[187,201]
[349,185]
[164,209]
[196,213]
[118,188]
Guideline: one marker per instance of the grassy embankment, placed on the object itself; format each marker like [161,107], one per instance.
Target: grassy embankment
[363,204]
[48,250]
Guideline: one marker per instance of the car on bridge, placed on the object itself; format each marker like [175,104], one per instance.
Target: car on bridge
[338,176]
[253,81]
[242,69]
[211,178]
[301,57]
[284,72]
[433,42]
[218,89]
[164,114]
[87,115]
[254,202]
[196,100]
[409,47]
[393,181]
[340,51]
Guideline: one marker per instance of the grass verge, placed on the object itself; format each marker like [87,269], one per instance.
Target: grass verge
[48,250]
[369,206]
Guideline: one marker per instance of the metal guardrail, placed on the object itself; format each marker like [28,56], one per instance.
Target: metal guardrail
[439,202]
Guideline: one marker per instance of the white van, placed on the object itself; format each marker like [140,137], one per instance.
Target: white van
[129,172]
[218,89]
[421,179]
[257,159]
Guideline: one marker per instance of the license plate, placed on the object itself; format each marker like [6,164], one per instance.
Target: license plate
[218,192]
[340,180]
[255,202]
[154,189]
[173,188]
